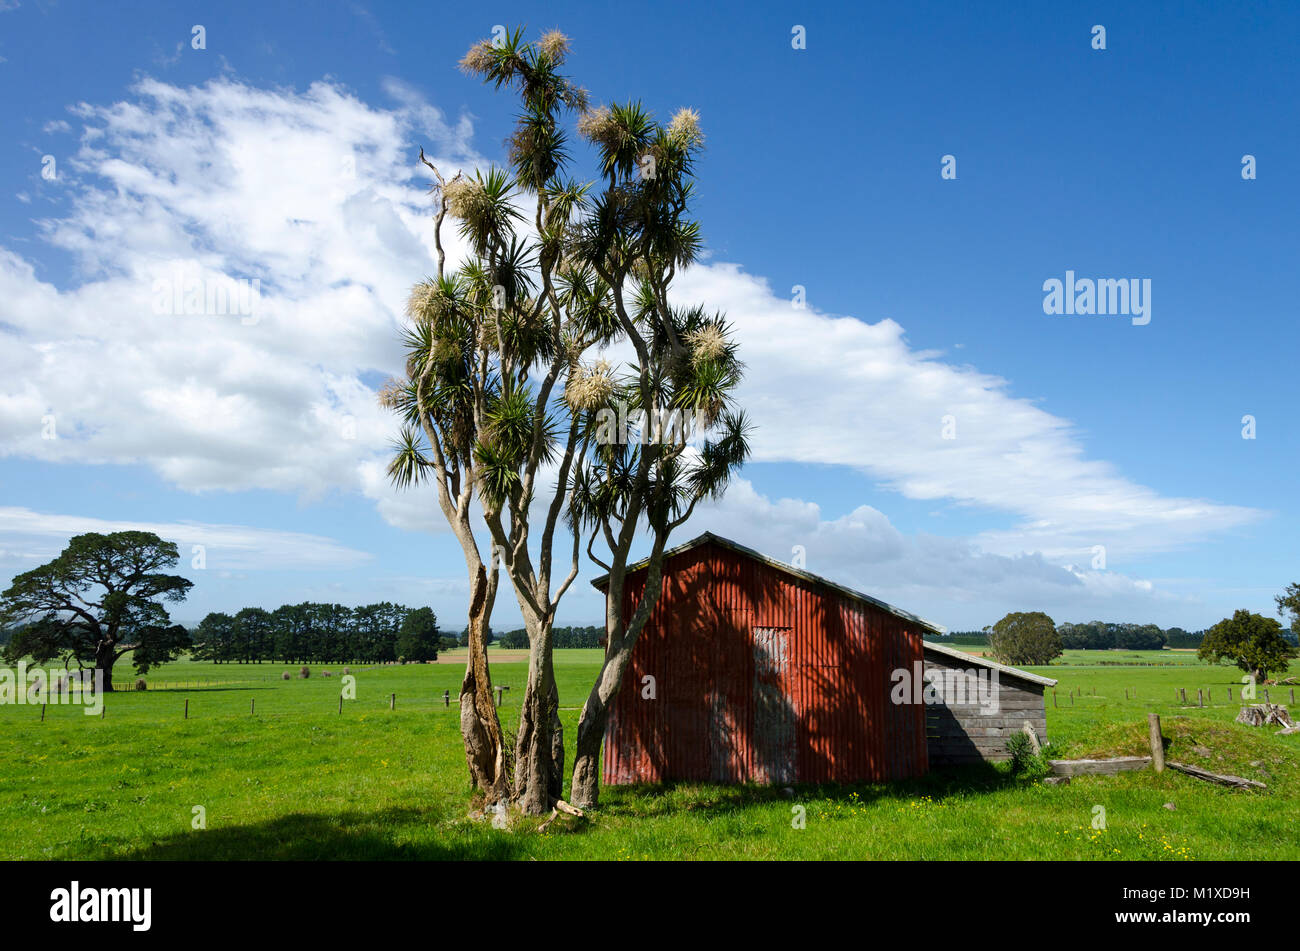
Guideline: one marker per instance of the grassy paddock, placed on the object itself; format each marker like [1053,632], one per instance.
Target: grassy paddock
[298,780]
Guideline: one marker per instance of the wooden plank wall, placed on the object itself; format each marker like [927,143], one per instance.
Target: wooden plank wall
[963,733]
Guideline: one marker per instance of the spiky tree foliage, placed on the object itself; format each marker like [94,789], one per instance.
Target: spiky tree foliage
[485,347]
[635,236]
[650,476]
[443,401]
[560,268]
[541,310]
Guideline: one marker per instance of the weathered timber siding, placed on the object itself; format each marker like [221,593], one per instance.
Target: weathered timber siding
[762,677]
[963,733]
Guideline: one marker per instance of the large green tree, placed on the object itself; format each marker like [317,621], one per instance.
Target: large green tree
[99,600]
[214,638]
[1288,602]
[1025,638]
[1251,641]
[417,638]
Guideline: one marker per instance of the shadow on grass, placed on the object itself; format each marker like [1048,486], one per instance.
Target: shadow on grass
[370,836]
[667,798]
[351,836]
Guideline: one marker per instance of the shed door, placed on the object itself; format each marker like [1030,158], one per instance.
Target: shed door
[774,715]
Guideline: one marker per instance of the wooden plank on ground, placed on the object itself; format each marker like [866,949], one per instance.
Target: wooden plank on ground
[1099,767]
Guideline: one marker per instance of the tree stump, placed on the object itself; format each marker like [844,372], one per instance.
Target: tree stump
[1265,714]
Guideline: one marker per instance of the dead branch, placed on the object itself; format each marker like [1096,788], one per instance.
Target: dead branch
[1236,782]
[437,174]
[561,806]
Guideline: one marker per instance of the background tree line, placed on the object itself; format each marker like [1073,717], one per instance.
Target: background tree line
[1258,645]
[1104,635]
[319,633]
[564,637]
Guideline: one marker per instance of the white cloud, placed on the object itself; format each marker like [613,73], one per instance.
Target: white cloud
[319,197]
[953,582]
[838,391]
[29,536]
[316,196]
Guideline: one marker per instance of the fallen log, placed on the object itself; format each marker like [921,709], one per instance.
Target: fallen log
[1099,767]
[1236,782]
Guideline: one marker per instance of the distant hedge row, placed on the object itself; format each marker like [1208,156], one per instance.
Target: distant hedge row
[1097,635]
[565,637]
[319,633]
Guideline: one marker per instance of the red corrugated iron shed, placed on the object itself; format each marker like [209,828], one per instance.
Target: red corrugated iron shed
[763,673]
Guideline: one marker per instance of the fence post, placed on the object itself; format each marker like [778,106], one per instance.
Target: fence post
[498,689]
[1200,697]
[1157,744]
[187,708]
[1183,692]
[42,713]
[392,701]
[1230,695]
[252,707]
[446,698]
[1053,696]
[340,703]
[1266,700]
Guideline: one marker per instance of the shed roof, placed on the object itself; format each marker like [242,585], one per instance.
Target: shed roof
[1015,672]
[708,537]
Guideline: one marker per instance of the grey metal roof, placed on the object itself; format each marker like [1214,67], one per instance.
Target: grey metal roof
[992,665]
[603,580]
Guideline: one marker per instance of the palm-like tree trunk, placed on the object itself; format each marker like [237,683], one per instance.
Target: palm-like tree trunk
[539,745]
[621,635]
[585,791]
[480,726]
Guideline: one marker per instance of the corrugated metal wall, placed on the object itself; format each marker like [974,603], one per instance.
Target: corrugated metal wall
[762,677]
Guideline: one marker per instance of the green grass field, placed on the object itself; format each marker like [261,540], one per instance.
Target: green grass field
[297,780]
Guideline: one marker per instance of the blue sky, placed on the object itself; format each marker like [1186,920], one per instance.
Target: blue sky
[924,295]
